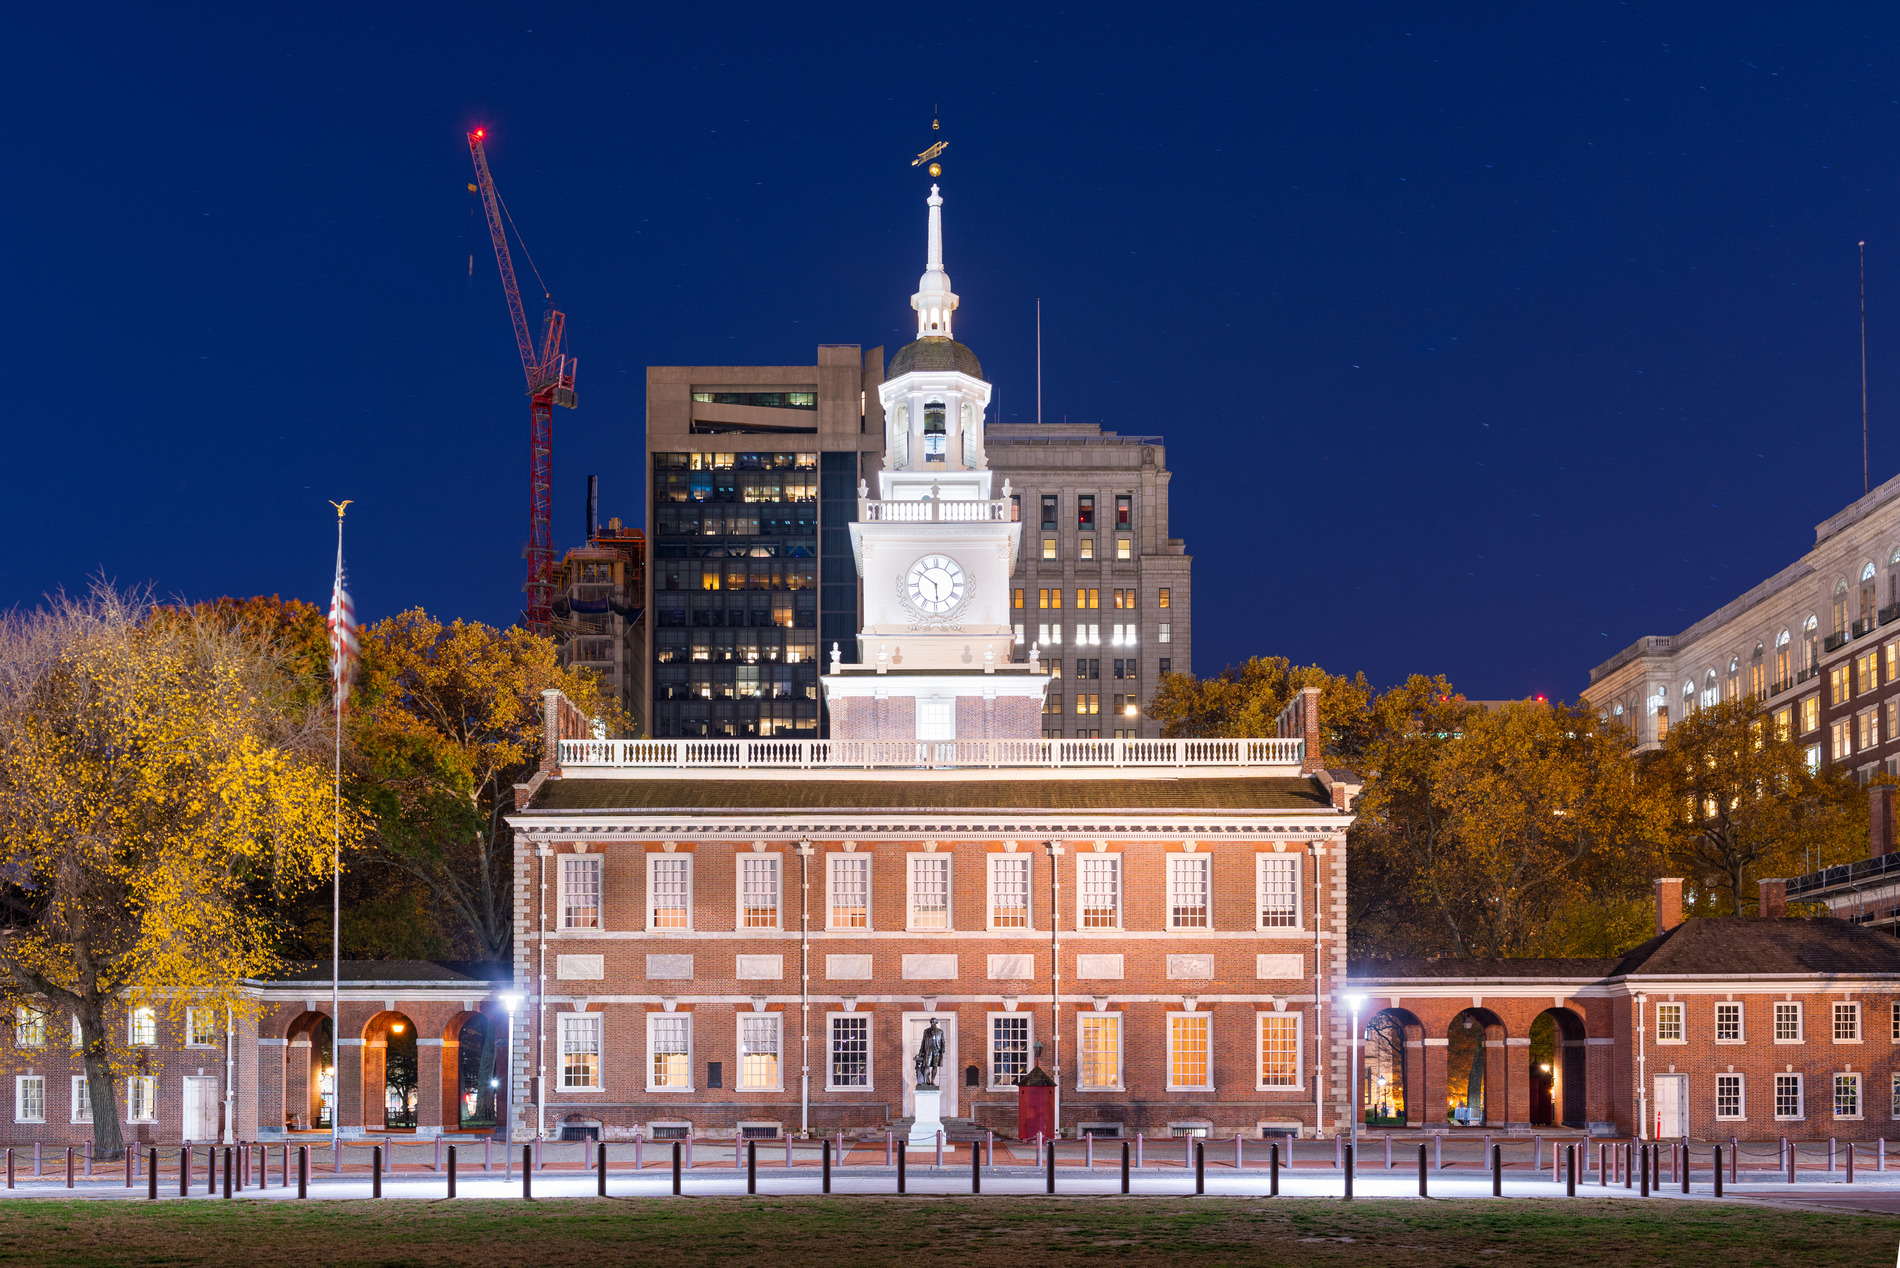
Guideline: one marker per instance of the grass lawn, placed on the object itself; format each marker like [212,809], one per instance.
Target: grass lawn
[836,1232]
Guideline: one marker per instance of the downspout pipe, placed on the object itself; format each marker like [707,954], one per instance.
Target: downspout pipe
[804,986]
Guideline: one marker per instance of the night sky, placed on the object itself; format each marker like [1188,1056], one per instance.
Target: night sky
[1482,344]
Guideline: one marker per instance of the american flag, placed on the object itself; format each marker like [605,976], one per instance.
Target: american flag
[343,647]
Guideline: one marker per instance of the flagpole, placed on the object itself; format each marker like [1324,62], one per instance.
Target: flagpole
[336,893]
[342,637]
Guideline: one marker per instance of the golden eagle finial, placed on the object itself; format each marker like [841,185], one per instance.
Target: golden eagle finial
[340,505]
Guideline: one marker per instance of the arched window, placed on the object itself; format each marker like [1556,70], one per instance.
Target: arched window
[1893,579]
[1732,689]
[1757,675]
[1869,603]
[1709,696]
[1784,664]
[933,431]
[1811,645]
[1840,607]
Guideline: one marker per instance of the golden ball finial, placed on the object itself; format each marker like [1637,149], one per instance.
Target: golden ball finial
[936,169]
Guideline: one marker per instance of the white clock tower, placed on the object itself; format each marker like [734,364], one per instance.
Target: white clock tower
[935,549]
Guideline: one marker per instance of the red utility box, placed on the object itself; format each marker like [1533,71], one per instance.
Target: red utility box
[1035,1105]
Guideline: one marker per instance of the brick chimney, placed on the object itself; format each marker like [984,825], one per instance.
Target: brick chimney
[1668,903]
[1774,899]
[1880,825]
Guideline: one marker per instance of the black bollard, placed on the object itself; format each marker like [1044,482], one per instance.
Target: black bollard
[303,1170]
[451,1170]
[752,1166]
[151,1178]
[69,1166]
[227,1171]
[1200,1169]
[184,1172]
[1642,1156]
[1273,1170]
[1052,1167]
[1718,1171]
[1497,1171]
[1685,1164]
[1351,1166]
[900,1168]
[676,1168]
[600,1172]
[825,1159]
[976,1168]
[1421,1171]
[1124,1166]
[1570,1171]
[376,1171]
[527,1172]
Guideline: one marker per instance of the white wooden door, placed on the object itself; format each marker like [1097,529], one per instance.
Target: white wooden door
[949,1075]
[1672,1106]
[201,1108]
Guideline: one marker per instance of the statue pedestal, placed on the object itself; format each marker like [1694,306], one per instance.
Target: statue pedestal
[926,1121]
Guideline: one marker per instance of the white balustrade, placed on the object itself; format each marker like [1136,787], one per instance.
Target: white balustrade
[1050,754]
[933,510]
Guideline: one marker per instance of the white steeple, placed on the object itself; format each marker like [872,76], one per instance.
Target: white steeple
[934,300]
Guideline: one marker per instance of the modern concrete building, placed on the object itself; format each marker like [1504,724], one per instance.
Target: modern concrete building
[1813,641]
[600,614]
[1099,584]
[753,475]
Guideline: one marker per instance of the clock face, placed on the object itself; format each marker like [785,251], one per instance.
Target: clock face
[935,584]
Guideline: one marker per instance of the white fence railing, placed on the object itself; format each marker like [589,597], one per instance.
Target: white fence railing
[924,754]
[933,510]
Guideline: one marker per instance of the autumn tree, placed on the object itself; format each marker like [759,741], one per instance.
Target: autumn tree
[450,721]
[153,775]
[1742,804]
[1245,701]
[1486,831]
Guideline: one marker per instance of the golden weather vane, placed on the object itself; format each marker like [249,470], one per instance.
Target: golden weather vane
[340,506]
[930,155]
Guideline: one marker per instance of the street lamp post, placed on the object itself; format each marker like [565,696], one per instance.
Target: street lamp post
[1353,1002]
[508,1087]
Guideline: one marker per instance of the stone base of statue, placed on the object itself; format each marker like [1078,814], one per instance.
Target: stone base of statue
[926,1121]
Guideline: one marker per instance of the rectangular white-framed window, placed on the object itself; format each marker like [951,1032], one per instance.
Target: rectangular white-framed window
[1728,1096]
[1787,1023]
[1010,880]
[761,1037]
[29,1098]
[82,1099]
[1896,1093]
[1894,1008]
[1728,1023]
[1281,1057]
[580,891]
[1099,891]
[1788,1097]
[141,1028]
[759,891]
[1166,632]
[1846,1021]
[580,1050]
[848,1051]
[669,1052]
[669,891]
[929,893]
[1669,1025]
[141,1098]
[1190,891]
[29,1027]
[1847,1096]
[1278,883]
[848,887]
[201,1027]
[1099,1039]
[1011,1035]
[1190,1051]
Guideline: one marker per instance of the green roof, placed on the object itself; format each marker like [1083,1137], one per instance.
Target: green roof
[934,353]
[1239,793]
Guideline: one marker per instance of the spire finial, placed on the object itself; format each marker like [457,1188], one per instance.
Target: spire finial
[934,300]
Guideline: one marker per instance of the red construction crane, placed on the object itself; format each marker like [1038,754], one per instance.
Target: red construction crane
[550,382]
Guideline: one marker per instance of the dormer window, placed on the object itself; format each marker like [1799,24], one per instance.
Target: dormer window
[934,437]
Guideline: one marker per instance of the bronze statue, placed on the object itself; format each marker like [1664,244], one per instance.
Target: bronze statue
[929,1057]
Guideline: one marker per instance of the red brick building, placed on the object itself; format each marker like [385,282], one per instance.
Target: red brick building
[1746,1026]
